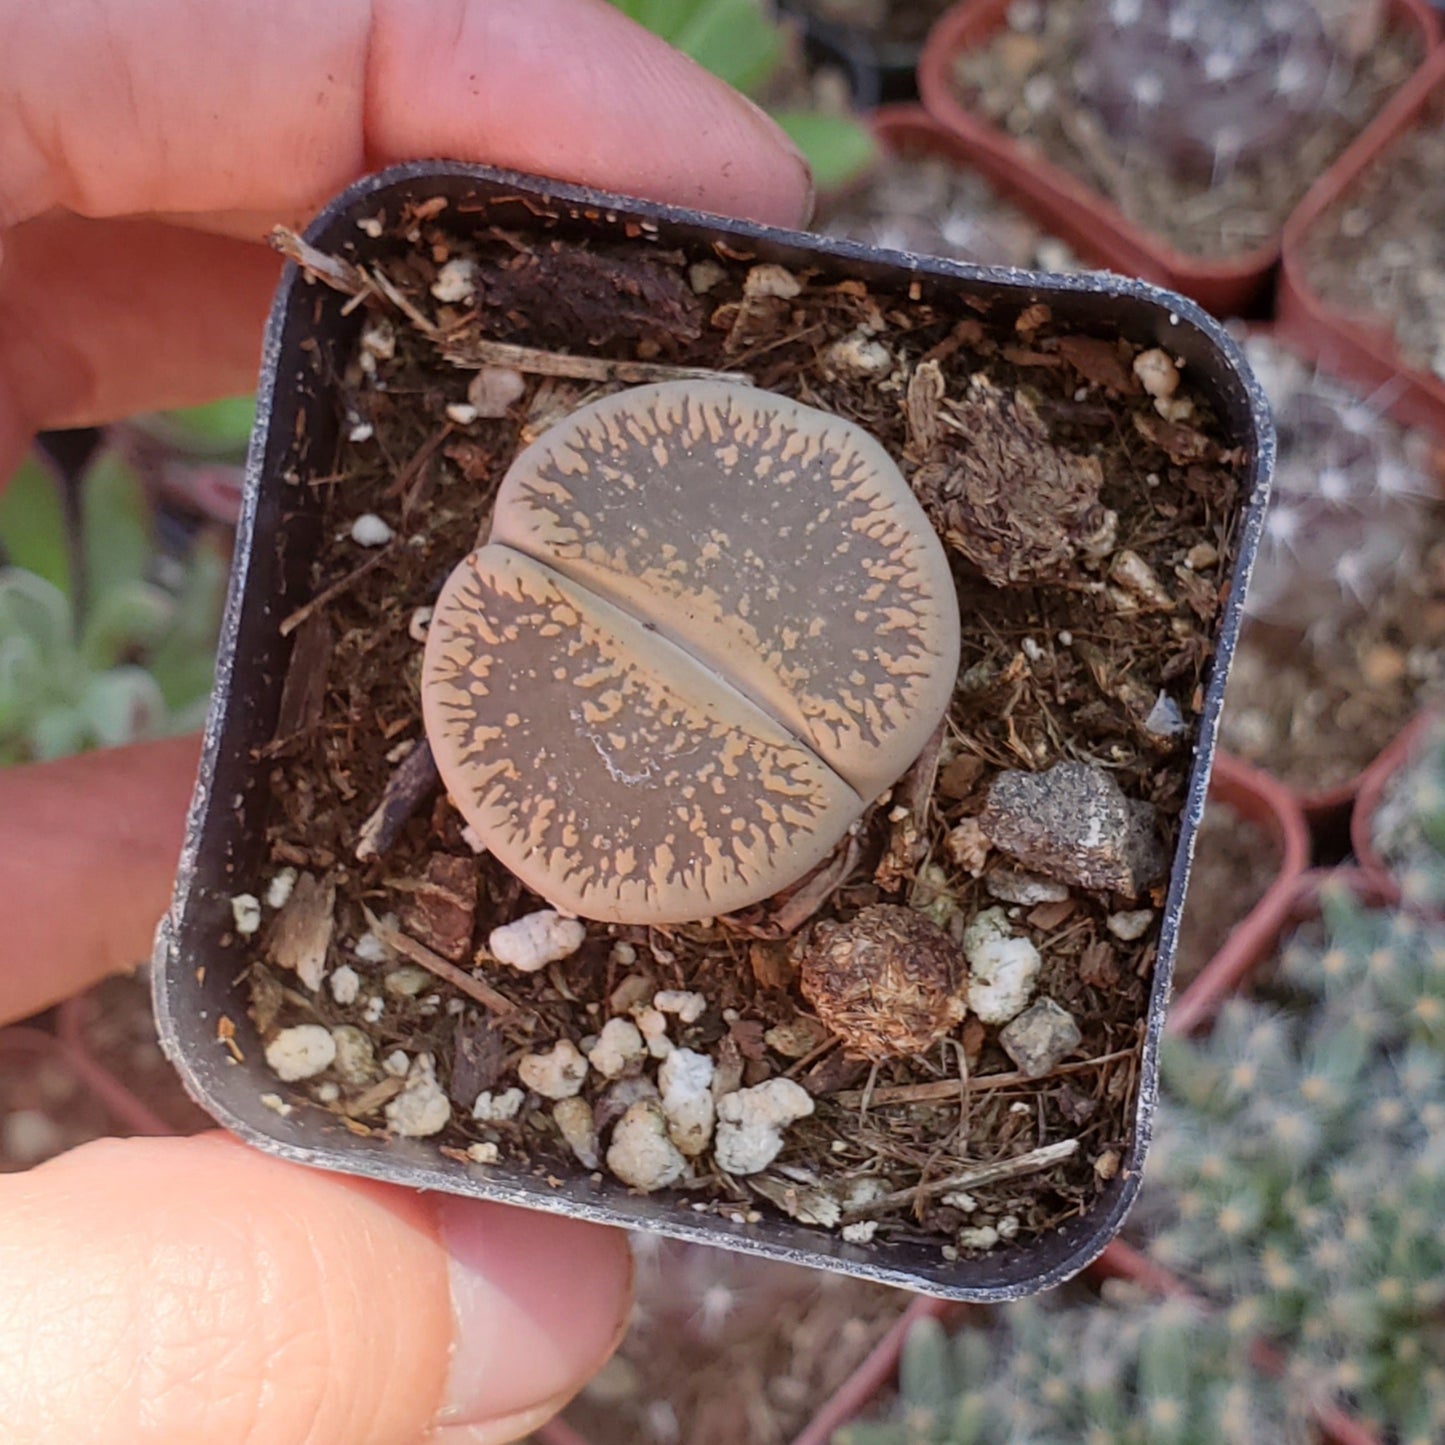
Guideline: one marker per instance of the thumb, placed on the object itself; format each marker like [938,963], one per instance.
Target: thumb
[165,1291]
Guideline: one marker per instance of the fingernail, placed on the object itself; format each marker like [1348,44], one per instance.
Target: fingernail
[783,139]
[499,1432]
[538,1304]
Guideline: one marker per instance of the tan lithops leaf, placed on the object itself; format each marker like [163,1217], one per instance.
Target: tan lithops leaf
[610,771]
[778,544]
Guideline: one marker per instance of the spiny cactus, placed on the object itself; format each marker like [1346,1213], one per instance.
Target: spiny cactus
[1123,1372]
[1349,502]
[1206,84]
[1299,1172]
[1409,824]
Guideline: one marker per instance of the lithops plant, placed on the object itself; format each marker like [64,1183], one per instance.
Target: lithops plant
[710,625]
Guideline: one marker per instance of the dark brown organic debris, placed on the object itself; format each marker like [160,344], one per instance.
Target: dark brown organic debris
[1014,504]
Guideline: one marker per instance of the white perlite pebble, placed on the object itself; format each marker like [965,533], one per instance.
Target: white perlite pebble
[860,1233]
[368,530]
[345,984]
[455,282]
[461,412]
[375,1007]
[483,1153]
[619,1046]
[498,1108]
[1157,372]
[301,1052]
[279,888]
[370,949]
[422,1108]
[246,911]
[397,1064]
[1040,1037]
[686,1082]
[355,1057]
[557,1074]
[1130,926]
[653,1024]
[493,390]
[689,1007]
[1003,970]
[751,1123]
[641,1154]
[574,1123]
[532,942]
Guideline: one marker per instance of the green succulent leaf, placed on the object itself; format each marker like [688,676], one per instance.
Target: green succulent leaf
[115,527]
[34,608]
[123,623]
[123,705]
[33,532]
[216,429]
[735,39]
[57,733]
[838,148]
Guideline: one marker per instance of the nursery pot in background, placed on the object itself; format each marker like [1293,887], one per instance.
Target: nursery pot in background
[1357,346]
[1232,286]
[201,1011]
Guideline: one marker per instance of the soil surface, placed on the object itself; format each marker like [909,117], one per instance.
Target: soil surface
[1345,638]
[929,205]
[1380,251]
[1036,80]
[1235,861]
[1087,608]
[724,1348]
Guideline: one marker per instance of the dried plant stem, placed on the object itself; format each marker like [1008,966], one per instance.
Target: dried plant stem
[475,352]
[420,954]
[947,1090]
[981,1174]
[338,273]
[329,594]
[414,779]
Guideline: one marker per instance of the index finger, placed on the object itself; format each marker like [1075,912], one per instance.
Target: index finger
[114,107]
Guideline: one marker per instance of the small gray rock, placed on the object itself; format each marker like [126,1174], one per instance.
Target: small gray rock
[1010,886]
[1073,823]
[1040,1037]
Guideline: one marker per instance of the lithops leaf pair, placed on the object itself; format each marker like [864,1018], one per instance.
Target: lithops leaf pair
[710,625]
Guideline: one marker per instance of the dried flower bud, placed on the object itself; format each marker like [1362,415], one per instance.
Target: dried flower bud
[888,981]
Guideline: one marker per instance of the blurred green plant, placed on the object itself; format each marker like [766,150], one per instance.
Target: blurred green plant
[93,651]
[1123,1371]
[1301,1159]
[1409,824]
[220,429]
[742,43]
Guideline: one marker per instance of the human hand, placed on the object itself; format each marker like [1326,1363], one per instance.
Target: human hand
[192,1291]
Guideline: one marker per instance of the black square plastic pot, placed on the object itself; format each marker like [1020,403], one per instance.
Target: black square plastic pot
[309,338]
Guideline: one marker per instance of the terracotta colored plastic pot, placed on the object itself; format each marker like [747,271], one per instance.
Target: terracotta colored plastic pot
[1376,779]
[311,332]
[1080,215]
[1235,963]
[1262,800]
[1361,348]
